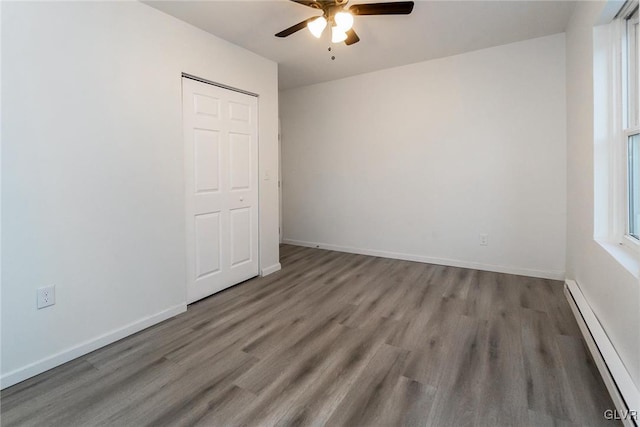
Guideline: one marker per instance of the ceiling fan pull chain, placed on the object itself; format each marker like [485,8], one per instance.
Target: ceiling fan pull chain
[333,58]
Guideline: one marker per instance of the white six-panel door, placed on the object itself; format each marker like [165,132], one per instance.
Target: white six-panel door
[221,177]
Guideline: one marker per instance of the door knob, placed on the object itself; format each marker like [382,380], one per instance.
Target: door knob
[241,199]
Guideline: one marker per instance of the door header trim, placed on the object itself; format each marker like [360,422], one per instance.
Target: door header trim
[200,79]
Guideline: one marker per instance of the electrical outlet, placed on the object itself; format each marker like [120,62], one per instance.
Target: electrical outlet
[484,240]
[46,296]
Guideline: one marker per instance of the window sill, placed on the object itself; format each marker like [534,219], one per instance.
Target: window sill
[623,255]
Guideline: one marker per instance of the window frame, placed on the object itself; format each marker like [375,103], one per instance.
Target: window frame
[629,120]
[627,238]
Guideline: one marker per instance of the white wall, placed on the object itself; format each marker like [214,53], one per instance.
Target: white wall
[416,161]
[92,170]
[611,290]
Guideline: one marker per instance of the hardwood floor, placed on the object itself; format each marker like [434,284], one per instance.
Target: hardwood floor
[342,340]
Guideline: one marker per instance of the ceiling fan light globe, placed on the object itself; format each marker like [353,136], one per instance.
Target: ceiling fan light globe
[337,35]
[344,21]
[317,26]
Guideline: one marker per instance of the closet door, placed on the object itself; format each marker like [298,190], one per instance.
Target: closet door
[221,178]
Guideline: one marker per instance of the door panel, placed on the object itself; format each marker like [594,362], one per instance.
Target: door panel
[205,104]
[240,236]
[221,181]
[207,160]
[240,152]
[240,112]
[207,233]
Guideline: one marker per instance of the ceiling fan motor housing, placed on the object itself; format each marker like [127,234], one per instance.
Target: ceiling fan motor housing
[331,7]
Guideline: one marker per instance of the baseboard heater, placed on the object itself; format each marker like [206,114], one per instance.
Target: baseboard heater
[623,391]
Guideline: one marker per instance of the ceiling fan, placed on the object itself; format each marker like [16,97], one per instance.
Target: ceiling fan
[340,17]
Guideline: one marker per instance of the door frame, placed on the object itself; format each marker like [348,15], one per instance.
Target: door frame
[258,242]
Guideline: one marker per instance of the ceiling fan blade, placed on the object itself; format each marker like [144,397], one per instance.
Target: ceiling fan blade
[395,8]
[310,3]
[352,38]
[295,28]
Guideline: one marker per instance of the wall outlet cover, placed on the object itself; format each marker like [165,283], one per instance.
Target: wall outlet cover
[46,296]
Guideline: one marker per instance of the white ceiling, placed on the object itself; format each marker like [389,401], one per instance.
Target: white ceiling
[435,29]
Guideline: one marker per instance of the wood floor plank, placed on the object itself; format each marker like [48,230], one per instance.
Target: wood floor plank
[408,404]
[195,391]
[503,389]
[392,305]
[225,407]
[437,315]
[539,419]
[23,401]
[92,404]
[364,404]
[582,373]
[279,388]
[458,391]
[315,404]
[302,353]
[548,388]
[482,290]
[420,294]
[431,355]
[343,340]
[26,392]
[559,312]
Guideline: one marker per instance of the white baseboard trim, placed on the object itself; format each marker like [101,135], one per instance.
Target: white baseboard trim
[271,269]
[624,393]
[33,369]
[555,275]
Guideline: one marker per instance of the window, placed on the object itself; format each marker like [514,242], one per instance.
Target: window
[631,122]
[634,186]
[616,136]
